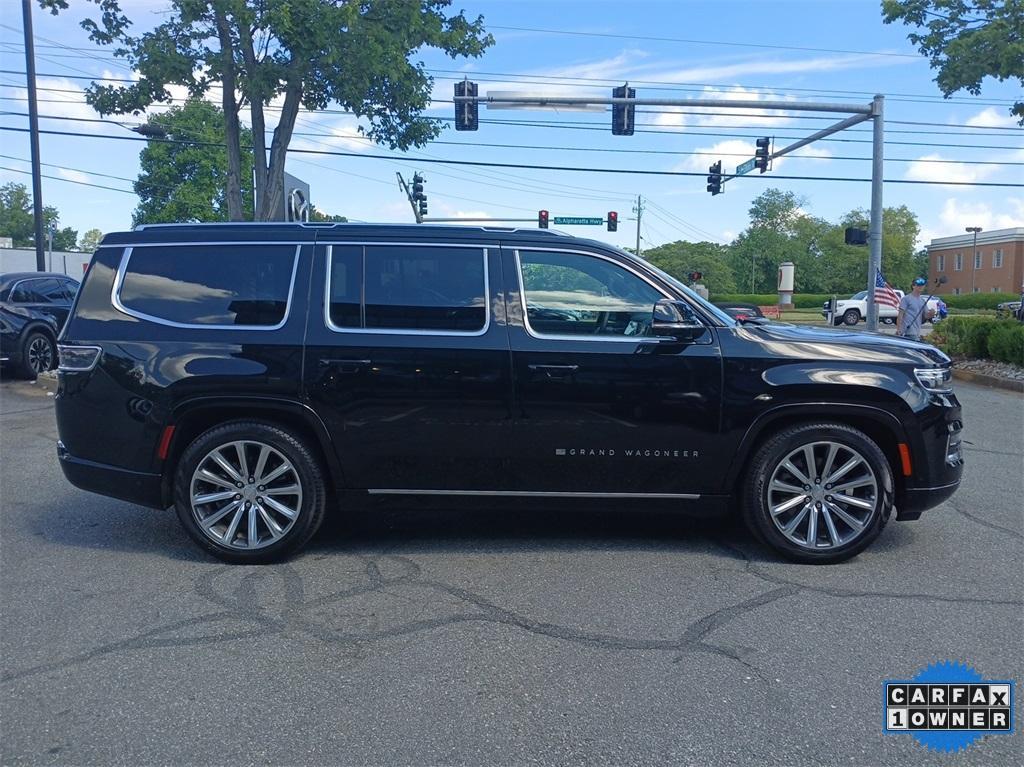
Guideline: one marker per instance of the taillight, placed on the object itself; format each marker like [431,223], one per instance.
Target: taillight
[77,359]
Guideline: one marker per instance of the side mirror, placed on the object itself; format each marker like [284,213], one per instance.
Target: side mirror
[675,319]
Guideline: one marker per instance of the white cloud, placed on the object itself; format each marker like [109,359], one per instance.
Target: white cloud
[731,152]
[927,169]
[958,214]
[66,99]
[990,118]
[74,175]
[760,66]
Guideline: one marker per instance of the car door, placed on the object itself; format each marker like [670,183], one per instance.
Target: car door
[602,406]
[45,297]
[408,364]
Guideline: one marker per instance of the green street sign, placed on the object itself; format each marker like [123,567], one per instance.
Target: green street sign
[577,221]
[745,167]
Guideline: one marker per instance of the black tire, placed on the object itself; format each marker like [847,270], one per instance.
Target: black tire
[38,354]
[851,316]
[307,469]
[755,505]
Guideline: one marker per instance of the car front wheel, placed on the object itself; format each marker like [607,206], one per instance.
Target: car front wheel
[249,492]
[851,317]
[818,493]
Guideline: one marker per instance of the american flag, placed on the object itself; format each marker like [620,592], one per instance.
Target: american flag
[884,294]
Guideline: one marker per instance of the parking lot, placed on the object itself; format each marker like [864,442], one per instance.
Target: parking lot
[491,637]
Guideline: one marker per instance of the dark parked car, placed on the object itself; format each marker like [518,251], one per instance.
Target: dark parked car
[33,308]
[740,311]
[258,377]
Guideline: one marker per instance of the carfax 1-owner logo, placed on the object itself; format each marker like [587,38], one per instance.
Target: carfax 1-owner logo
[948,706]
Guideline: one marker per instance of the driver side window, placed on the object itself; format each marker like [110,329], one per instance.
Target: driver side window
[571,294]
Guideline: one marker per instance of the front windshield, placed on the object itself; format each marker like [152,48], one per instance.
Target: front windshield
[706,305]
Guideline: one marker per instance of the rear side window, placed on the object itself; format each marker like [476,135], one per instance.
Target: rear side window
[408,288]
[210,285]
[41,291]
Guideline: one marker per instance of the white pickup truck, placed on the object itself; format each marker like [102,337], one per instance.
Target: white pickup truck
[855,309]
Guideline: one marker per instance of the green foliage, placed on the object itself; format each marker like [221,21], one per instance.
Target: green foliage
[800,300]
[680,258]
[966,40]
[90,241]
[317,215]
[549,277]
[964,336]
[979,300]
[181,183]
[781,231]
[17,220]
[295,53]
[1006,343]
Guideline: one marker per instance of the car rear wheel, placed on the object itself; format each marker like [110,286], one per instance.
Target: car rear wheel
[38,354]
[818,493]
[249,492]
[851,316]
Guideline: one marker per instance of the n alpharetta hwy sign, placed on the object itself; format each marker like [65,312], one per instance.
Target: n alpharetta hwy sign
[577,221]
[745,167]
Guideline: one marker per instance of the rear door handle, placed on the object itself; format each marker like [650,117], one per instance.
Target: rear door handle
[344,365]
[555,371]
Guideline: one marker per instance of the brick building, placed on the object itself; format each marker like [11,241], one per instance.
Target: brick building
[996,267]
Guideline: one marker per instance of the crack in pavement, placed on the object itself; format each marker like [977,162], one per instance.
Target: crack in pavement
[242,605]
[984,522]
[751,568]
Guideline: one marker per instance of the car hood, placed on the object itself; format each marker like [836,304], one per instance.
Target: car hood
[815,343]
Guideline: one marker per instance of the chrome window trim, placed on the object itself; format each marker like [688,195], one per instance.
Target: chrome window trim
[486,249]
[531,493]
[115,291]
[598,339]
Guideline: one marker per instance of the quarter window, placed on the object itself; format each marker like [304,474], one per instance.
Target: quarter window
[227,285]
[579,295]
[406,288]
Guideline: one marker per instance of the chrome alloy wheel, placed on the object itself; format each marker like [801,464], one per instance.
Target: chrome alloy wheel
[245,495]
[822,495]
[40,355]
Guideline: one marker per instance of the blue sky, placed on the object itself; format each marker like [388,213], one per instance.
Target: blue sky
[857,55]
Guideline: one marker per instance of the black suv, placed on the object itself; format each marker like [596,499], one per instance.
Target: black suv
[255,375]
[33,308]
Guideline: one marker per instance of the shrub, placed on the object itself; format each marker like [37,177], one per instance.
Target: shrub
[1006,343]
[978,300]
[800,300]
[964,336]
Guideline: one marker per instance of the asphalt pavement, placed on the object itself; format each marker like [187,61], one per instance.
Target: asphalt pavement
[487,637]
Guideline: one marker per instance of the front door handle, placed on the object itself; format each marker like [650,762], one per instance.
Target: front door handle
[555,371]
[345,365]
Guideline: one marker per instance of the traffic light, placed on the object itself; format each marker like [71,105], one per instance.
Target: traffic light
[623,115]
[417,187]
[613,221]
[542,219]
[761,154]
[715,178]
[467,113]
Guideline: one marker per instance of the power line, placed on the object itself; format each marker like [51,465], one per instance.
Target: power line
[688,41]
[70,181]
[561,168]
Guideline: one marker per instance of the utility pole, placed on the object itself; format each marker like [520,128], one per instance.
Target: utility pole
[875,225]
[33,128]
[639,210]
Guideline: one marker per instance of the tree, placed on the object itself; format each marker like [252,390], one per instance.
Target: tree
[187,182]
[900,261]
[769,240]
[90,241]
[709,258]
[966,41]
[17,220]
[317,215]
[298,53]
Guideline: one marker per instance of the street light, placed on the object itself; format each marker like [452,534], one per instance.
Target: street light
[974,252]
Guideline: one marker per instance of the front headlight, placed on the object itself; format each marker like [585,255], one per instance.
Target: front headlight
[938,380]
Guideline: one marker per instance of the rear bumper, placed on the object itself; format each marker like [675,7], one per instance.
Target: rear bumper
[136,487]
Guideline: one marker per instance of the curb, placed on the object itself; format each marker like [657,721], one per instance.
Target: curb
[986,380]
